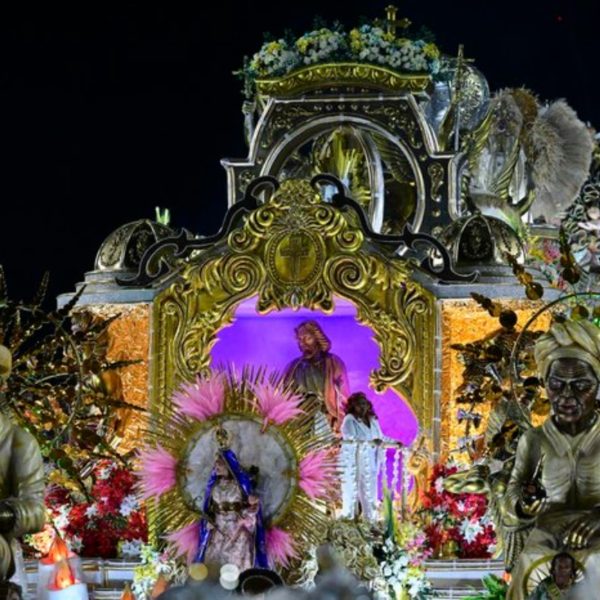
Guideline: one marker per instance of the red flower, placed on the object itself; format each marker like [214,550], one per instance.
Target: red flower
[78,518]
[101,532]
[56,496]
[137,527]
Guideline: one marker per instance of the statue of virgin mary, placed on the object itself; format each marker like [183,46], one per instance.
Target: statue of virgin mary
[231,530]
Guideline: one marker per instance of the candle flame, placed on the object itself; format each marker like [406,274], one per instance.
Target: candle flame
[127,593]
[58,551]
[63,577]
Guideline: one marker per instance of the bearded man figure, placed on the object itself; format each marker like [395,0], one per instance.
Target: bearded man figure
[320,373]
[554,488]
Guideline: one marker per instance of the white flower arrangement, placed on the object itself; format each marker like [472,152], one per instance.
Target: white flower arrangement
[62,519]
[153,566]
[365,44]
[371,44]
[274,59]
[75,543]
[130,549]
[321,45]
[128,505]
[470,529]
[399,574]
[105,471]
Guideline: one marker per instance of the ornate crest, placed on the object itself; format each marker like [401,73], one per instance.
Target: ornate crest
[295,250]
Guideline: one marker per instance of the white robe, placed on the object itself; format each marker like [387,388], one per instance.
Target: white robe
[360,467]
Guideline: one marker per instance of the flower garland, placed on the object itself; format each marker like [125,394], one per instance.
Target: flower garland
[456,522]
[368,43]
[108,523]
[321,45]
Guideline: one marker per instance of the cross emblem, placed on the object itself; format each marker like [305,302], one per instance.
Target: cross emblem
[296,250]
[391,23]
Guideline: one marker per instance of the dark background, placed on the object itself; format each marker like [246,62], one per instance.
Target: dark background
[108,112]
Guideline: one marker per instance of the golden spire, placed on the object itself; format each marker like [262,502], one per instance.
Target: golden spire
[461,63]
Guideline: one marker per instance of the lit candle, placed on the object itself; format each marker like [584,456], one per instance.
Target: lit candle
[47,566]
[127,593]
[65,586]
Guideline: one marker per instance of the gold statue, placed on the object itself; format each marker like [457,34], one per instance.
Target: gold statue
[419,465]
[554,487]
[22,507]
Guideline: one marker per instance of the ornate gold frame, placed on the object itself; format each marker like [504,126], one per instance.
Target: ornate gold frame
[343,74]
[296,250]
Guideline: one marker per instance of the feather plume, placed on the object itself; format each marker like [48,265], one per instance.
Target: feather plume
[276,402]
[562,147]
[184,542]
[280,547]
[156,472]
[202,399]
[318,474]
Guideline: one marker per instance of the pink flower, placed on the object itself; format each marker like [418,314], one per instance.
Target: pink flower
[202,399]
[184,542]
[156,472]
[280,546]
[276,403]
[318,474]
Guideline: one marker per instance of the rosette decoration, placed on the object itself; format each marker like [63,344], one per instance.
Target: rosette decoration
[272,436]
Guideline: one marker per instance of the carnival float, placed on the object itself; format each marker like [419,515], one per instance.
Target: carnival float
[379,375]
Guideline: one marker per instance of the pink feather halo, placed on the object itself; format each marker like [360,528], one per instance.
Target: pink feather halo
[156,472]
[280,546]
[318,474]
[184,541]
[276,403]
[202,399]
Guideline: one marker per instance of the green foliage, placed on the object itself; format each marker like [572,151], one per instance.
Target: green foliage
[495,589]
[60,385]
[389,517]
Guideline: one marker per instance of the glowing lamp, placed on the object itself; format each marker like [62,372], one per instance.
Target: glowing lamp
[58,552]
[63,576]
[65,585]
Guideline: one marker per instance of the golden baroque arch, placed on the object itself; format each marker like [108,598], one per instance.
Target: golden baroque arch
[296,250]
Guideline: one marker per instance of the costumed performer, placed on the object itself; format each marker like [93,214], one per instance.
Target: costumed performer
[361,457]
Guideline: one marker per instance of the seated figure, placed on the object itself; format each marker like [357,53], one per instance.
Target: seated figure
[554,488]
[22,507]
[231,531]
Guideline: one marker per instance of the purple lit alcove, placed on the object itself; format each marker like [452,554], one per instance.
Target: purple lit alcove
[269,340]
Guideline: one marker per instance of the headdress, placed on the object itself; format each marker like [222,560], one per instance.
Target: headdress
[569,339]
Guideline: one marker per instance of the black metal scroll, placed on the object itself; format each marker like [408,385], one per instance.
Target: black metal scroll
[445,273]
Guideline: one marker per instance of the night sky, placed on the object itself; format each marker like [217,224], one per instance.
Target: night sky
[108,112]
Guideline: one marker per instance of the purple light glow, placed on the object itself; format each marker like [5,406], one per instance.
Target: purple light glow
[269,340]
